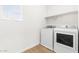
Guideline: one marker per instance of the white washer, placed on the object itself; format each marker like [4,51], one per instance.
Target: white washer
[47,37]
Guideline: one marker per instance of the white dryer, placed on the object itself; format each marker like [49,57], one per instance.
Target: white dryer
[65,40]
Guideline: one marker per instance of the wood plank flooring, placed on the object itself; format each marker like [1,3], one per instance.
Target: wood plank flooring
[38,49]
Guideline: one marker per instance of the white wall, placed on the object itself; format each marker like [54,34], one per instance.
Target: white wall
[65,19]
[17,36]
[65,15]
[34,19]
[59,9]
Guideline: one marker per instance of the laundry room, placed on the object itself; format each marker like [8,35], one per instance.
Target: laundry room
[39,29]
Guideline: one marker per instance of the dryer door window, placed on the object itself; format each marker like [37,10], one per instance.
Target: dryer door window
[65,39]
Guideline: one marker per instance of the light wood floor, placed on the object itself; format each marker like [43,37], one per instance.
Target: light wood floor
[38,49]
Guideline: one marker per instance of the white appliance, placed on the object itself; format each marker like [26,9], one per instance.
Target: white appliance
[47,37]
[65,40]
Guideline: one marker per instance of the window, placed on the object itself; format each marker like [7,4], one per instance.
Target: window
[13,12]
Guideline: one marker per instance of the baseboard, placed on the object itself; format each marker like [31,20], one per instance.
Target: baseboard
[47,47]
